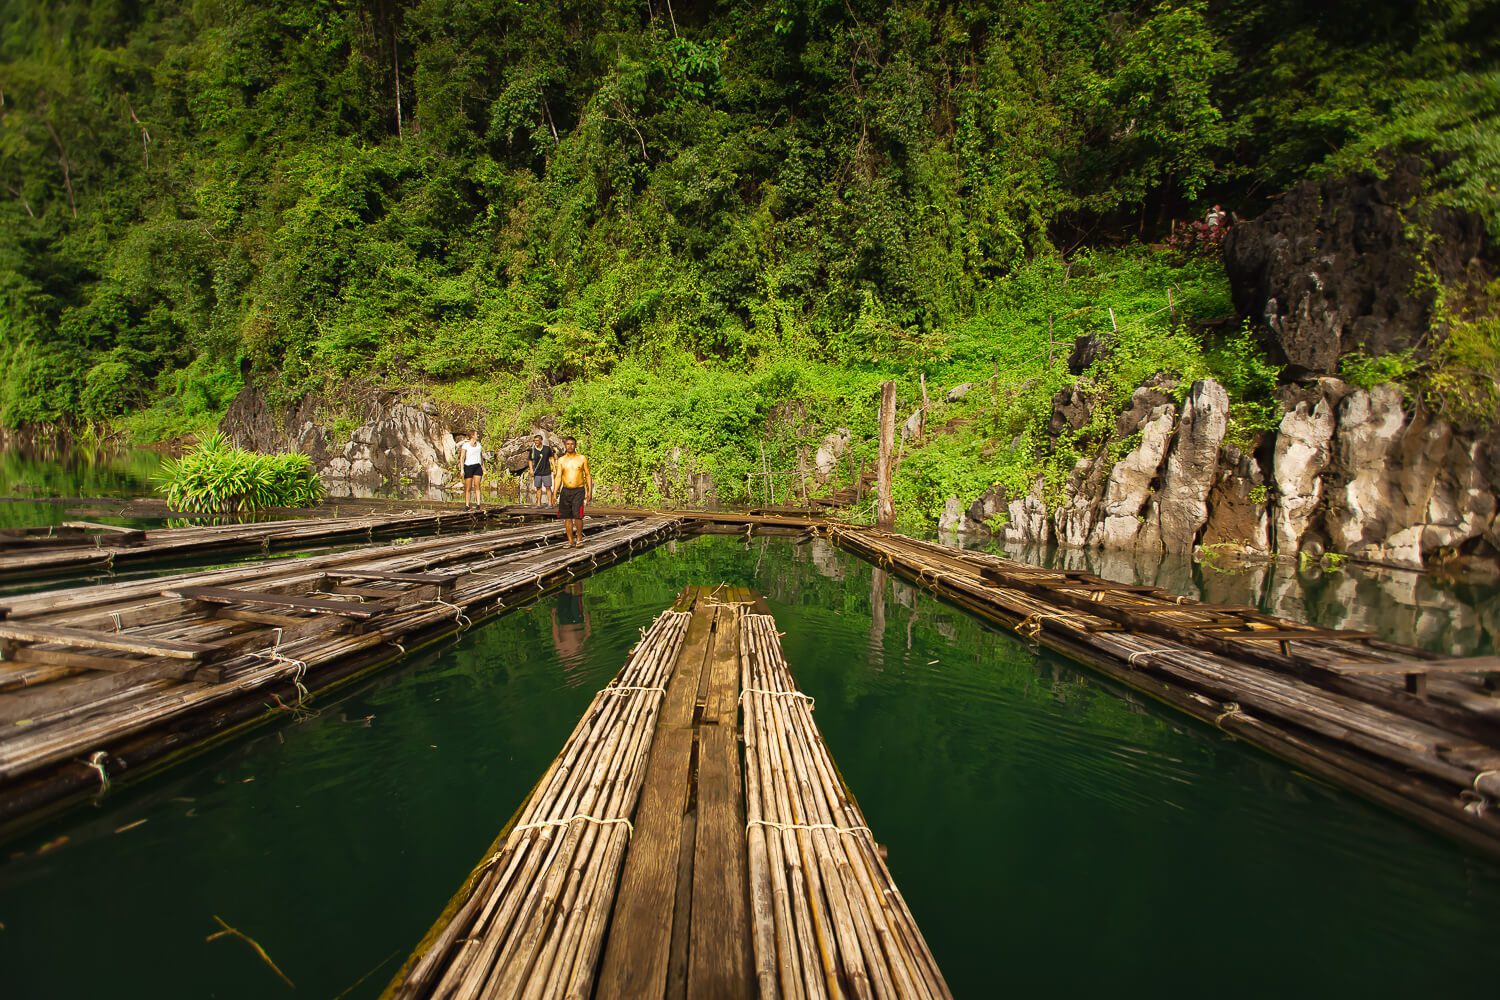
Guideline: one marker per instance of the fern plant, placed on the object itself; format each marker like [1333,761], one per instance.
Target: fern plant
[217,477]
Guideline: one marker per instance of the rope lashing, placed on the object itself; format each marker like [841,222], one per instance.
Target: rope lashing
[116,616]
[96,761]
[1230,708]
[784,827]
[463,620]
[399,648]
[1031,625]
[811,701]
[1480,777]
[543,824]
[1143,653]
[631,689]
[299,668]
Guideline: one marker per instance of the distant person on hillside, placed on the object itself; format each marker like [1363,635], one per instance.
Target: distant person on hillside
[540,459]
[577,488]
[473,462]
[1215,216]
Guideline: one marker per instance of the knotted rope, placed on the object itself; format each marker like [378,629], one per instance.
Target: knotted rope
[543,824]
[96,761]
[631,689]
[299,667]
[811,701]
[1142,654]
[463,620]
[783,827]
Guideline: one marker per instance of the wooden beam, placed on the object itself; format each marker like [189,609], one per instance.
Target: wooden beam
[122,641]
[885,511]
[230,595]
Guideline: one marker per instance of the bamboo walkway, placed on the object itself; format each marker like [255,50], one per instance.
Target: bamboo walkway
[87,546]
[99,682]
[1414,732]
[651,861]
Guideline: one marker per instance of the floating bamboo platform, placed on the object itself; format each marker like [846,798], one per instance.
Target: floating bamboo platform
[651,860]
[103,683]
[90,547]
[1412,731]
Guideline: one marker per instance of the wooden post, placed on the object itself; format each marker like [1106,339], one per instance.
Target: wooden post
[885,511]
[922,423]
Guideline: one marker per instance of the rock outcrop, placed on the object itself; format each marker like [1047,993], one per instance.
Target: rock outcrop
[1350,471]
[1179,508]
[1332,266]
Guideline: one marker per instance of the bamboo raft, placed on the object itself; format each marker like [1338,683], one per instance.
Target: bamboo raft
[1417,733]
[104,682]
[87,546]
[651,861]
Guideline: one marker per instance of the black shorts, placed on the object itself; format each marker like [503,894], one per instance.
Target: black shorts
[570,503]
[470,471]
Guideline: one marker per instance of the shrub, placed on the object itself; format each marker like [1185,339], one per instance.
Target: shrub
[218,477]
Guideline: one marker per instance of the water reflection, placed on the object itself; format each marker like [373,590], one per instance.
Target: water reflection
[571,625]
[1039,821]
[1403,606]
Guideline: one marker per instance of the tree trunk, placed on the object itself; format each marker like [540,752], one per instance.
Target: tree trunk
[885,510]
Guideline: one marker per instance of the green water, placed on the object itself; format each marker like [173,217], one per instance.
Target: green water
[1053,834]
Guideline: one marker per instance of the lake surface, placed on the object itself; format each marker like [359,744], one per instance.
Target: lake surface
[1054,835]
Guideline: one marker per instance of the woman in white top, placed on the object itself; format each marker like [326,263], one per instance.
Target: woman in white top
[473,457]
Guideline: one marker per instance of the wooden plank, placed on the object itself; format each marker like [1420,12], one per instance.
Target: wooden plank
[1291,634]
[70,658]
[118,535]
[230,595]
[1460,665]
[60,699]
[124,642]
[720,963]
[442,581]
[636,956]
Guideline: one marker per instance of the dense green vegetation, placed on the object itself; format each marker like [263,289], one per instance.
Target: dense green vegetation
[690,225]
[216,477]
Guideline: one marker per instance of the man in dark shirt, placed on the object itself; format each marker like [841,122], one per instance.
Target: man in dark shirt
[540,458]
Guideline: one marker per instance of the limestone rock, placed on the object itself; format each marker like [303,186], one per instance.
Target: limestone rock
[991,502]
[952,519]
[1129,486]
[1237,508]
[1028,524]
[1330,266]
[1360,510]
[958,392]
[832,448]
[1302,453]
[1179,507]
[913,425]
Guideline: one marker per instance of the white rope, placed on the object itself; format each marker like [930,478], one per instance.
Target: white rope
[399,647]
[116,616]
[463,620]
[1142,654]
[629,689]
[811,701]
[542,824]
[96,761]
[299,667]
[1230,708]
[783,827]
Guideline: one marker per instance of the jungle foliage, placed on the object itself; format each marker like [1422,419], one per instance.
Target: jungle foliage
[475,195]
[216,477]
